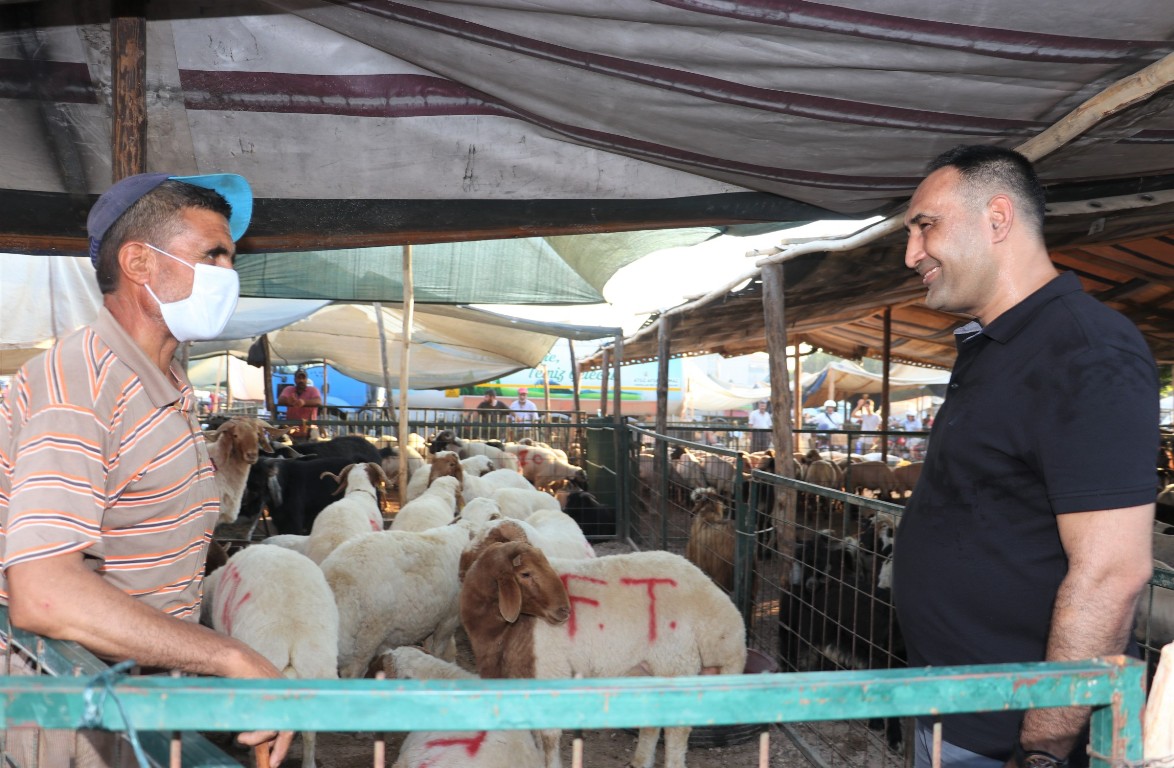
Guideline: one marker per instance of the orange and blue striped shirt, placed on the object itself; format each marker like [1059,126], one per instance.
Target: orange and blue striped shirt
[100,453]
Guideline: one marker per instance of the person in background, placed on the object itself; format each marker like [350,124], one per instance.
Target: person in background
[523,409]
[490,409]
[869,420]
[301,400]
[107,493]
[828,418]
[760,421]
[1028,537]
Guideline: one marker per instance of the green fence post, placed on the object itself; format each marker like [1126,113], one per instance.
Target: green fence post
[743,543]
[1115,731]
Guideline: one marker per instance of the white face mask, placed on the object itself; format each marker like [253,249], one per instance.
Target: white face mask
[204,313]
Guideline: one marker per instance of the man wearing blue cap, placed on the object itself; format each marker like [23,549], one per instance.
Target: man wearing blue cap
[107,493]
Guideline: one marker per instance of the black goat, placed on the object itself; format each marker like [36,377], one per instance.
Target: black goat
[838,613]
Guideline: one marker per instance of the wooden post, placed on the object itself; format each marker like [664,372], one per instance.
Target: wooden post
[404,377]
[663,353]
[546,390]
[574,380]
[383,360]
[775,331]
[603,374]
[267,375]
[617,364]
[128,86]
[887,358]
[798,390]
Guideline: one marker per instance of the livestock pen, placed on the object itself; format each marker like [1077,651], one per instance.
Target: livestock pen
[163,715]
[810,570]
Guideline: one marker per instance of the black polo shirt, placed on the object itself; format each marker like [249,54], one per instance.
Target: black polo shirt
[1052,408]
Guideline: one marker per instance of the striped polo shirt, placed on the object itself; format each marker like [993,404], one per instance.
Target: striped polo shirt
[100,453]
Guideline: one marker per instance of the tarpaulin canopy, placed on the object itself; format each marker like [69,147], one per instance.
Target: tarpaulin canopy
[536,270]
[45,297]
[843,378]
[384,122]
[705,393]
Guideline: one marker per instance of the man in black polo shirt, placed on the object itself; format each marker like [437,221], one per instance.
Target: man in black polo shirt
[1028,536]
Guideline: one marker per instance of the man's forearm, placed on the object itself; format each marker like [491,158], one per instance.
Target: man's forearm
[1088,620]
[59,597]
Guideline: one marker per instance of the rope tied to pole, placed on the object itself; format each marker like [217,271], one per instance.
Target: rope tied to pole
[94,696]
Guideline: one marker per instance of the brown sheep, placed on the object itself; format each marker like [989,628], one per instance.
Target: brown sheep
[711,538]
[517,611]
[872,476]
[907,476]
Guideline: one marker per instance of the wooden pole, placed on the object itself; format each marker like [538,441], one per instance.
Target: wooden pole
[798,399]
[546,390]
[617,364]
[267,375]
[383,360]
[663,353]
[128,88]
[574,378]
[404,377]
[603,375]
[887,359]
[774,321]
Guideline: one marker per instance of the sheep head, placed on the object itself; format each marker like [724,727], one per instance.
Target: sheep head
[524,580]
[243,438]
[446,464]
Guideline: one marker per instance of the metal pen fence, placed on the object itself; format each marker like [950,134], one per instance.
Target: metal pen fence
[808,564]
[163,712]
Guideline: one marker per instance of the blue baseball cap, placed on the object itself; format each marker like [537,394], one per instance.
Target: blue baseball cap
[119,198]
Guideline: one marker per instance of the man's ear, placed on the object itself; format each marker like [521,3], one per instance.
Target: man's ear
[1001,215]
[137,262]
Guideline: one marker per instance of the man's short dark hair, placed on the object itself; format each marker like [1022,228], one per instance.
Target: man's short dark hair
[988,168]
[154,219]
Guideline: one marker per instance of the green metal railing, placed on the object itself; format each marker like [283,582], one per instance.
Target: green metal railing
[1114,688]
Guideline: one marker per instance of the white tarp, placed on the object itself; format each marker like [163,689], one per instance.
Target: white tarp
[704,393]
[45,297]
[228,374]
[843,378]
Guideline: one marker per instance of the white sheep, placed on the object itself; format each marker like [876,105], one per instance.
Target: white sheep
[277,602]
[356,513]
[478,465]
[501,458]
[520,503]
[396,588]
[443,464]
[455,749]
[437,506]
[291,541]
[475,487]
[543,467]
[646,613]
[390,456]
[553,531]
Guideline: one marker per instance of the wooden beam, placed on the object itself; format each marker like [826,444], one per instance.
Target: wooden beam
[775,324]
[128,84]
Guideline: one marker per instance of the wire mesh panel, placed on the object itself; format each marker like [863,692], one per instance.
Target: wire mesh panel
[807,562]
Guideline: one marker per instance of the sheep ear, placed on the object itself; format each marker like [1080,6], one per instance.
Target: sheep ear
[510,531]
[509,598]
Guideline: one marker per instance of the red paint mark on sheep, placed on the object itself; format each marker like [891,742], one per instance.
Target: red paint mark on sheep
[572,623]
[230,604]
[471,745]
[650,585]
